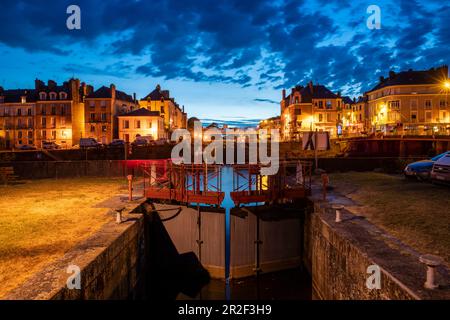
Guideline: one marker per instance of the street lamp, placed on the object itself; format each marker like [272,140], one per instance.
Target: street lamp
[447,84]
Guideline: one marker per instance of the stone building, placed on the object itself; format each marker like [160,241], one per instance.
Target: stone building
[160,101]
[141,122]
[102,108]
[411,103]
[49,112]
[308,108]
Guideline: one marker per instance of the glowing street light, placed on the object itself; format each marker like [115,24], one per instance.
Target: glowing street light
[447,84]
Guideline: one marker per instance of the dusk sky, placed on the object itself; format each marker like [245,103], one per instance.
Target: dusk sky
[224,59]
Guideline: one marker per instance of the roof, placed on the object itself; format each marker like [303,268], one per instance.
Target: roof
[105,93]
[311,91]
[15,95]
[347,100]
[157,94]
[411,77]
[142,112]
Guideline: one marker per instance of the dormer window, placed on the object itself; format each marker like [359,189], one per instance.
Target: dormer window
[23,99]
[43,96]
[52,96]
[62,96]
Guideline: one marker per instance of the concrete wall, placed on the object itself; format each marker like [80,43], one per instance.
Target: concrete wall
[337,256]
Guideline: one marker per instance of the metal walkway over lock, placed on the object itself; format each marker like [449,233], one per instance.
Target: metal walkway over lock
[202,183]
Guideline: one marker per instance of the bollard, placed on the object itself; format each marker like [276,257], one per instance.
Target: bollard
[432,262]
[119,215]
[325,181]
[338,208]
[130,187]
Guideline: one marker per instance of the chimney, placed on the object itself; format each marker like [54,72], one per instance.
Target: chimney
[391,74]
[113,91]
[89,89]
[75,90]
[83,88]
[134,97]
[183,109]
[284,94]
[381,79]
[51,84]
[38,84]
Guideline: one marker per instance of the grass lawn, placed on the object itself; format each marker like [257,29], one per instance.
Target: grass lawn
[416,213]
[41,220]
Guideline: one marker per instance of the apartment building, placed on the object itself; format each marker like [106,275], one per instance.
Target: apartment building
[49,112]
[309,108]
[411,103]
[141,122]
[160,101]
[102,108]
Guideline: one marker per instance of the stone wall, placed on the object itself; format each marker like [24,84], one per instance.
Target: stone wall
[337,256]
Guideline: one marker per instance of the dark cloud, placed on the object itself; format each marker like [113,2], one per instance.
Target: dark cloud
[266,100]
[262,43]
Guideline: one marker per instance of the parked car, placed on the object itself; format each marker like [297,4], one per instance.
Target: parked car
[27,147]
[143,141]
[50,145]
[421,170]
[160,142]
[89,143]
[117,143]
[441,170]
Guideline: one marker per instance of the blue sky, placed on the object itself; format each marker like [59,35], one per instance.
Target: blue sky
[225,60]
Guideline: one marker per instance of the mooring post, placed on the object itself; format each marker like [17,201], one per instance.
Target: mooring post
[431,262]
[338,208]
[130,187]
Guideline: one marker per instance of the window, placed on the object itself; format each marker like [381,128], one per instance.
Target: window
[92,104]
[43,96]
[53,110]
[29,111]
[321,104]
[360,117]
[54,134]
[44,134]
[103,117]
[428,105]
[296,100]
[62,96]
[126,124]
[149,124]
[92,116]
[30,135]
[44,122]
[138,124]
[329,105]
[162,109]
[329,118]
[30,122]
[394,105]
[428,116]
[53,121]
[104,128]
[19,134]
[413,116]
[320,117]
[442,104]
[103,103]
[52,95]
[19,112]
[92,128]
[414,104]
[44,111]
[23,99]
[63,121]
